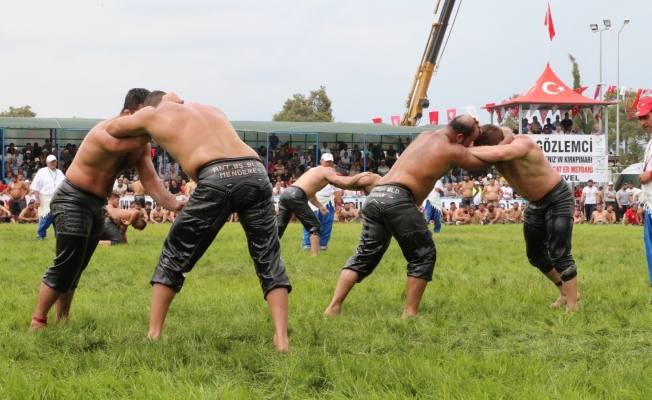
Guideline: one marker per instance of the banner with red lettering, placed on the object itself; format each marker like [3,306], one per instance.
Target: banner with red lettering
[577,158]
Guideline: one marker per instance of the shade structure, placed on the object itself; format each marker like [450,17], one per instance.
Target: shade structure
[548,93]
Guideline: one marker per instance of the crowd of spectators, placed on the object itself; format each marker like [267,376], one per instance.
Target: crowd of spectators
[287,162]
[558,127]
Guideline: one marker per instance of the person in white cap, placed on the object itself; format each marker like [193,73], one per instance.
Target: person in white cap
[46,181]
[645,178]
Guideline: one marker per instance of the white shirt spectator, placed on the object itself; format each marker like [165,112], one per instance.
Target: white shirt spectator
[589,194]
[46,181]
[508,193]
[119,189]
[434,197]
[383,169]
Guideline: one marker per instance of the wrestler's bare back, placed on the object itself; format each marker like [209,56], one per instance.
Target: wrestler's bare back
[314,180]
[531,175]
[101,158]
[195,134]
[428,158]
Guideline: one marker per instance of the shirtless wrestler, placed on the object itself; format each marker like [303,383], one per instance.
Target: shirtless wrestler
[394,203]
[513,214]
[78,206]
[599,216]
[29,215]
[465,190]
[230,178]
[548,219]
[492,192]
[17,190]
[295,198]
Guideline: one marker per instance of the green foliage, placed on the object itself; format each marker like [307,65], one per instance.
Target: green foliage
[577,82]
[631,133]
[485,330]
[21,112]
[314,108]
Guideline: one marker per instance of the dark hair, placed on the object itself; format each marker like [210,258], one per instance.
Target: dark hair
[459,125]
[148,203]
[134,99]
[490,135]
[154,99]
[114,196]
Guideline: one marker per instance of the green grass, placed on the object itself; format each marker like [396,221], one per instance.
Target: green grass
[485,330]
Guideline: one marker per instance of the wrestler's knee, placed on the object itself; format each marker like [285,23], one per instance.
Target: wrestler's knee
[540,261]
[315,230]
[166,276]
[62,284]
[567,271]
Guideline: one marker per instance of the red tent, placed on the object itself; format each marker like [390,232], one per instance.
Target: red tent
[547,93]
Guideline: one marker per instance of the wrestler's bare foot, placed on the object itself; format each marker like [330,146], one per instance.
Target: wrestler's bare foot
[35,326]
[282,345]
[562,300]
[333,310]
[409,314]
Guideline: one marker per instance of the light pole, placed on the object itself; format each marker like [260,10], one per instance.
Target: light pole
[618,90]
[594,28]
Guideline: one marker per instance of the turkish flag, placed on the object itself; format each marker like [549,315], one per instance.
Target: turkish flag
[610,89]
[396,119]
[597,91]
[515,112]
[580,90]
[635,102]
[575,110]
[548,22]
[434,117]
[490,107]
[451,113]
[377,120]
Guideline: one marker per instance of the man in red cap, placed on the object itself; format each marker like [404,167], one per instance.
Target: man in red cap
[645,178]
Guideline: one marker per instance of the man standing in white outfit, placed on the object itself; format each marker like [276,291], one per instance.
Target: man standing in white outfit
[432,207]
[589,194]
[644,115]
[45,183]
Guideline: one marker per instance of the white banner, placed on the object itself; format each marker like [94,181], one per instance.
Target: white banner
[577,158]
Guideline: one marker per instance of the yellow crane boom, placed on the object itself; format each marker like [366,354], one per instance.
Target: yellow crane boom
[418,97]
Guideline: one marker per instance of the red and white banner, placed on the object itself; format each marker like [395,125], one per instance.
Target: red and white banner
[471,111]
[434,117]
[577,158]
[515,112]
[544,114]
[451,113]
[396,119]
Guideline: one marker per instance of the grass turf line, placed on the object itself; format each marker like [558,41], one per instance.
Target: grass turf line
[485,330]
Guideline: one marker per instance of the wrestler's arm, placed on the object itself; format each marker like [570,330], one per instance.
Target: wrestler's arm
[461,157]
[131,125]
[591,221]
[151,217]
[345,182]
[153,184]
[323,210]
[502,152]
[22,216]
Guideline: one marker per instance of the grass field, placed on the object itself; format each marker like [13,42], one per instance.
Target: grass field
[485,329]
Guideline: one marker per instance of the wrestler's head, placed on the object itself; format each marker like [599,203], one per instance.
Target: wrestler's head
[493,135]
[154,99]
[466,129]
[114,200]
[134,100]
[139,224]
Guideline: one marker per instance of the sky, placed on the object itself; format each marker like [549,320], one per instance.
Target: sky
[79,58]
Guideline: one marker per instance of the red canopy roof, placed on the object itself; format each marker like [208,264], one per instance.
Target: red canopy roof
[549,91]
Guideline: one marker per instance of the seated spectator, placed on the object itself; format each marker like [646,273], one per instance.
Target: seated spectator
[383,169]
[566,124]
[599,216]
[345,161]
[536,126]
[577,131]
[356,152]
[174,187]
[279,167]
[558,130]
[461,215]
[528,130]
[547,130]
[631,216]
[29,215]
[557,123]
[495,215]
[391,156]
[513,215]
[278,189]
[596,130]
[549,124]
[578,216]
[285,175]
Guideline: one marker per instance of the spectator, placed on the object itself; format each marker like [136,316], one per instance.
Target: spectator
[383,169]
[528,130]
[566,124]
[631,216]
[611,215]
[174,187]
[278,189]
[578,217]
[599,216]
[346,161]
[449,191]
[596,130]
[589,194]
[631,191]
[273,141]
[28,215]
[524,124]
[508,192]
[558,130]
[622,199]
[557,123]
[577,131]
[549,125]
[536,126]
[17,190]
[391,156]
[449,178]
[513,215]
[356,151]
[610,199]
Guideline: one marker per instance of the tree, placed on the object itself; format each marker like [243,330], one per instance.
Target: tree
[631,133]
[585,126]
[315,108]
[22,112]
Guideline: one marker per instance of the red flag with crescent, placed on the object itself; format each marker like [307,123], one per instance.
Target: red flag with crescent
[377,120]
[434,117]
[548,22]
[575,110]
